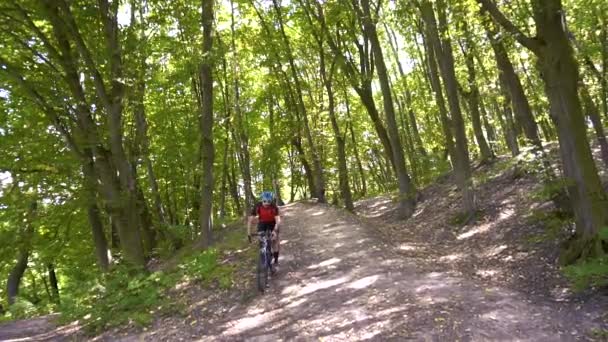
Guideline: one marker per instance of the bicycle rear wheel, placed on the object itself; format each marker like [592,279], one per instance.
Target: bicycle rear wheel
[262,274]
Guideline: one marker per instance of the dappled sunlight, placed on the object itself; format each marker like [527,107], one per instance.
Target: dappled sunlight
[495,250]
[325,263]
[296,303]
[296,291]
[318,213]
[503,215]
[506,213]
[500,315]
[453,257]
[248,323]
[434,275]
[381,203]
[333,224]
[308,289]
[408,247]
[363,283]
[430,287]
[475,230]
[487,273]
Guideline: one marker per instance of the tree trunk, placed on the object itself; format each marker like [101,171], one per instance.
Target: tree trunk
[490,131]
[407,193]
[141,123]
[593,113]
[604,42]
[392,40]
[340,141]
[241,137]
[319,181]
[53,282]
[14,277]
[361,83]
[296,142]
[560,74]
[224,178]
[25,245]
[512,84]
[206,125]
[472,95]
[99,238]
[232,183]
[443,52]
[446,124]
[355,146]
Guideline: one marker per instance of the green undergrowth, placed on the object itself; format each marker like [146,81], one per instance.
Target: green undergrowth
[125,296]
[592,272]
[554,225]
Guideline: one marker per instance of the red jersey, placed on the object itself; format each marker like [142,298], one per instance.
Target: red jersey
[266,214]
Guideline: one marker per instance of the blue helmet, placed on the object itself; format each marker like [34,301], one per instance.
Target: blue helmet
[267,196]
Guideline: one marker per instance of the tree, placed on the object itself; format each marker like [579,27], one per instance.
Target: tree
[206,123]
[560,74]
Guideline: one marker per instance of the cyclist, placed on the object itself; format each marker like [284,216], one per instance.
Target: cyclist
[268,219]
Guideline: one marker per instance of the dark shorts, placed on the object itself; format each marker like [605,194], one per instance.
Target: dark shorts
[264,226]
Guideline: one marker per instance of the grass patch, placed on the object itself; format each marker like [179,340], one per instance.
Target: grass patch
[589,273]
[599,334]
[126,296]
[592,272]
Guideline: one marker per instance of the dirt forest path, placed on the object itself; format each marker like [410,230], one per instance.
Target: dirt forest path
[339,282]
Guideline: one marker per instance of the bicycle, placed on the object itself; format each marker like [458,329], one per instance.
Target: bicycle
[265,259]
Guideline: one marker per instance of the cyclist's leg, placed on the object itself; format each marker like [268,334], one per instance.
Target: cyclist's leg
[275,247]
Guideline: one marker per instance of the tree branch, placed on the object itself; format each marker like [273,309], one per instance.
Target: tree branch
[72,29]
[524,40]
[39,100]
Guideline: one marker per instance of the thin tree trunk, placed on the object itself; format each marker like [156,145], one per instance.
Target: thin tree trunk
[443,51]
[512,84]
[206,123]
[53,282]
[16,274]
[242,137]
[593,113]
[99,239]
[473,98]
[224,176]
[604,42]
[340,141]
[355,146]
[360,82]
[392,40]
[319,181]
[407,192]
[446,123]
[296,142]
[232,183]
[490,131]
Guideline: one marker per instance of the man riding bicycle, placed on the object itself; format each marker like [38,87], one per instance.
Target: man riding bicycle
[268,220]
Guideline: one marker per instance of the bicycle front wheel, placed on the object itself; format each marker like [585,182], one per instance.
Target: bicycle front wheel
[262,274]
